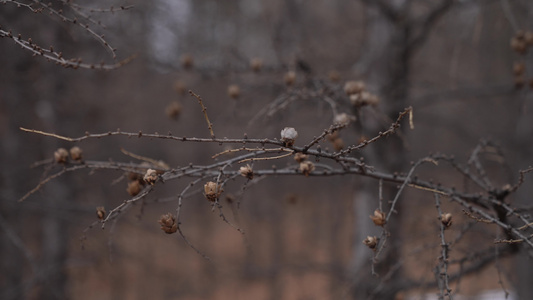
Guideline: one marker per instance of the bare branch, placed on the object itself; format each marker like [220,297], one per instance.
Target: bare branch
[204,110]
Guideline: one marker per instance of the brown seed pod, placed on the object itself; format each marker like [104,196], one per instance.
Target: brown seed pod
[168,223]
[212,191]
[61,156]
[334,76]
[379,218]
[247,171]
[300,157]
[306,167]
[173,110]
[135,176]
[372,100]
[234,91]
[518,45]
[359,99]
[338,144]
[187,61]
[520,34]
[134,188]
[343,119]
[519,68]
[100,212]
[528,38]
[364,99]
[354,87]
[289,78]
[76,153]
[446,220]
[179,86]
[150,177]
[332,136]
[256,64]
[371,242]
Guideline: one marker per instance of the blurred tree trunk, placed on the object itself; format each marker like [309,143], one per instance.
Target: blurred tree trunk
[524,131]
[385,66]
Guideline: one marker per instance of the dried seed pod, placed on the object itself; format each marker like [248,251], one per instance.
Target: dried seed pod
[61,155]
[332,136]
[371,242]
[288,136]
[168,223]
[212,191]
[187,61]
[256,64]
[234,91]
[300,157]
[372,100]
[135,176]
[100,212]
[379,218]
[518,45]
[358,100]
[343,119]
[354,87]
[150,177]
[134,188]
[306,167]
[179,86]
[338,144]
[173,110]
[364,99]
[519,68]
[446,220]
[289,78]
[76,153]
[520,34]
[247,171]
[334,76]
[528,38]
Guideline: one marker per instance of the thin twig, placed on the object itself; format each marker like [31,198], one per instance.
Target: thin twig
[178,218]
[154,162]
[471,216]
[204,110]
[389,131]
[266,158]
[252,150]
[117,210]
[441,271]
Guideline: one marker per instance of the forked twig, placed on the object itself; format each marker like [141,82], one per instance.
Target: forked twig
[391,130]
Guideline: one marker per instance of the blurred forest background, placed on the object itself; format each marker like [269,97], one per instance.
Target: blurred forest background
[452,61]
